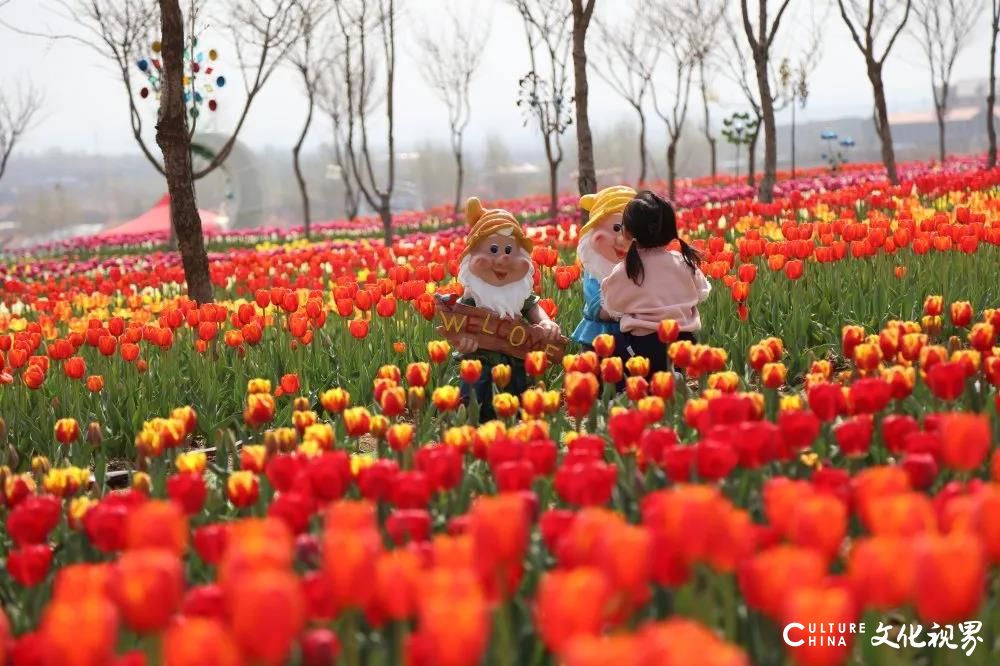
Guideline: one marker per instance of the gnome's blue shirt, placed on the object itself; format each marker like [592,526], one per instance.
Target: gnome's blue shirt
[592,325]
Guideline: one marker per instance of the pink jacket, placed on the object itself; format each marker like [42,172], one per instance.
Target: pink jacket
[668,291]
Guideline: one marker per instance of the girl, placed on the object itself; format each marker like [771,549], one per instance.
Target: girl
[653,283]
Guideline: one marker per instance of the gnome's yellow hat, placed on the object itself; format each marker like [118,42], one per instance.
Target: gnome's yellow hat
[608,201]
[487,221]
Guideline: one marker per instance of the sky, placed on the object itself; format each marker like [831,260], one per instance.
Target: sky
[86,108]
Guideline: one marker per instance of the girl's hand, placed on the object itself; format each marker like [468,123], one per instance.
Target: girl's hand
[466,344]
[605,316]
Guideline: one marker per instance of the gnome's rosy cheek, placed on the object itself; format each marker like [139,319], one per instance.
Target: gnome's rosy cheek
[501,268]
[608,241]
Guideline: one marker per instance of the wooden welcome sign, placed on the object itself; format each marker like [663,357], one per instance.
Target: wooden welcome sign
[513,337]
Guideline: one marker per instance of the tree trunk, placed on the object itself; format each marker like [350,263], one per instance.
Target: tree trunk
[173,139]
[991,98]
[708,122]
[765,192]
[385,214]
[793,138]
[553,190]
[642,145]
[940,122]
[671,168]
[752,159]
[882,127]
[459,179]
[587,178]
[296,152]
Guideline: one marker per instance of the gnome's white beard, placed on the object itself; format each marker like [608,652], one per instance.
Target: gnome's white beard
[507,301]
[593,261]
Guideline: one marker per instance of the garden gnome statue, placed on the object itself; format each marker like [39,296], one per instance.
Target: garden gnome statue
[599,248]
[496,273]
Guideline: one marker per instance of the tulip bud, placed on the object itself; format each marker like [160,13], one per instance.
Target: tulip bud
[40,465]
[416,398]
[142,482]
[501,375]
[94,436]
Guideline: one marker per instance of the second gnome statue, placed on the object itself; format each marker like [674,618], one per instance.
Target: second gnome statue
[496,273]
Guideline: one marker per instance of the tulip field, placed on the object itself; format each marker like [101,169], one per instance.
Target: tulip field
[288,475]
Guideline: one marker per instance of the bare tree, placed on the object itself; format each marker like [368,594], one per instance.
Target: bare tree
[793,80]
[174,140]
[304,57]
[740,71]
[332,99]
[122,31]
[705,69]
[942,30]
[991,98]
[448,64]
[17,114]
[543,94]
[761,39]
[583,12]
[359,21]
[627,61]
[867,21]
[693,23]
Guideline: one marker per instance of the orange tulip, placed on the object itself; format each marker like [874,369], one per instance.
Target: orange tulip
[259,409]
[357,421]
[580,391]
[335,400]
[67,431]
[452,617]
[197,641]
[438,350]
[773,572]
[604,345]
[501,375]
[446,398]
[669,329]
[571,603]
[677,642]
[267,613]
[773,375]
[588,650]
[933,306]
[903,515]
[982,336]
[612,370]
[470,370]
[95,383]
[965,440]
[881,569]
[418,373]
[819,521]
[151,587]
[157,524]
[944,591]
[79,631]
[535,363]
[400,436]
[505,405]
[662,385]
[397,575]
[242,488]
[961,313]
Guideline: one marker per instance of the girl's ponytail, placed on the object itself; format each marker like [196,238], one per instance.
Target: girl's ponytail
[691,256]
[633,264]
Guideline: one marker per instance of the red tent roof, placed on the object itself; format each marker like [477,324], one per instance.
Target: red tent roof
[157,219]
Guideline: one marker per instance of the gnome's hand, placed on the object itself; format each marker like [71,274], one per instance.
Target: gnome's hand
[466,344]
[550,330]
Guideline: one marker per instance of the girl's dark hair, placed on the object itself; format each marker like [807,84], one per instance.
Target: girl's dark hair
[651,221]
